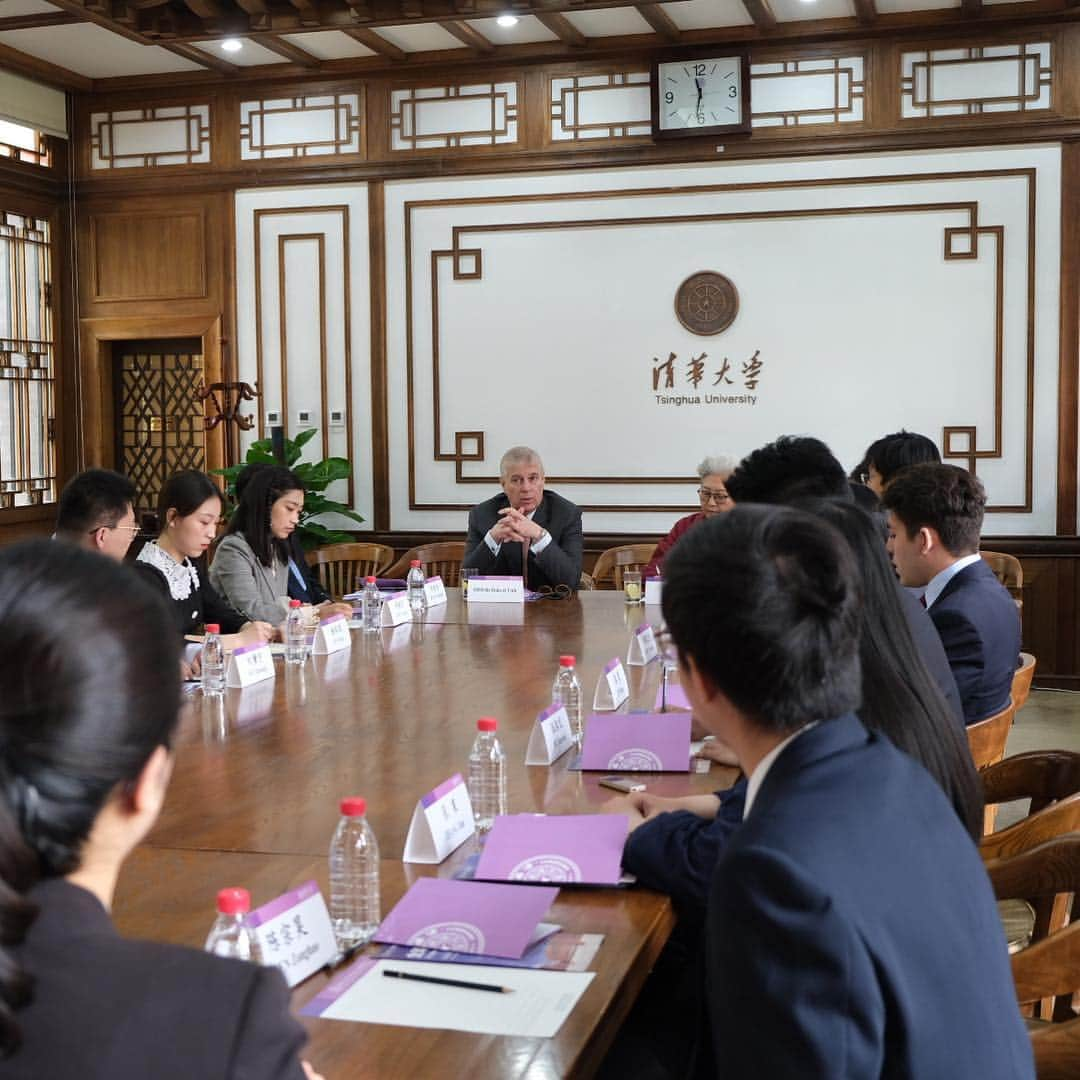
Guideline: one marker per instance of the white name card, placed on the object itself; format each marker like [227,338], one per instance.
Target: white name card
[612,689]
[654,590]
[551,736]
[434,591]
[441,823]
[250,664]
[643,648]
[332,636]
[488,589]
[294,933]
[395,610]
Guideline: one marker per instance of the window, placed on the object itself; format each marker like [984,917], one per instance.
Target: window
[27,363]
[23,144]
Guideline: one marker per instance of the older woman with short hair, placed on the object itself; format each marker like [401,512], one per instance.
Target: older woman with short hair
[712,492]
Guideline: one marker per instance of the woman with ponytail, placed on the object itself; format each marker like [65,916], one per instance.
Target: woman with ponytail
[89,699]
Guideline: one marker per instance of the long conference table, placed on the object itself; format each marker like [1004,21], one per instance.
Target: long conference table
[258,776]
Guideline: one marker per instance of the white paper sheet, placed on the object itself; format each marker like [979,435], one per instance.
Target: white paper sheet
[540,1003]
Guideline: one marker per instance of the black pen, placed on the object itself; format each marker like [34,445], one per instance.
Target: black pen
[448,982]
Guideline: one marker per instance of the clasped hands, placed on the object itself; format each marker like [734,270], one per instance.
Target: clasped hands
[514,526]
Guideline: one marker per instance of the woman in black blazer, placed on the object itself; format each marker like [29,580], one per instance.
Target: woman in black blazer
[89,698]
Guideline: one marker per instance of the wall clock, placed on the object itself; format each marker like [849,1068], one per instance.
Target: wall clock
[694,95]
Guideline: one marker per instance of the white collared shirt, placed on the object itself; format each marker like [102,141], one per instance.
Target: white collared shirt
[757,777]
[535,547]
[938,582]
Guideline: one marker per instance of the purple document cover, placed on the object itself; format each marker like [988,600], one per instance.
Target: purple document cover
[637,742]
[467,916]
[571,849]
[676,697]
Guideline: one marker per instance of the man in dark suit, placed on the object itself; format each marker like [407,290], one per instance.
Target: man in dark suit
[935,515]
[851,929]
[526,530]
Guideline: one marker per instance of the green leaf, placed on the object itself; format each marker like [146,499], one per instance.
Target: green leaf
[304,437]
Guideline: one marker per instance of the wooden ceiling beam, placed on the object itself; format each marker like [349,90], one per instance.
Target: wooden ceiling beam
[377,43]
[35,68]
[661,22]
[761,14]
[189,52]
[309,12]
[42,18]
[252,7]
[470,36]
[286,49]
[865,11]
[205,9]
[972,8]
[562,28]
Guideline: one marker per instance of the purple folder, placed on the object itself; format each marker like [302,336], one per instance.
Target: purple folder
[572,849]
[676,697]
[637,742]
[467,916]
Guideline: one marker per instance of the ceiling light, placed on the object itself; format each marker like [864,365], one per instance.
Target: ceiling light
[232,44]
[507,20]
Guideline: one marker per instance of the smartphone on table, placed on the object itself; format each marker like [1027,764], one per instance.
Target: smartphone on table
[621,783]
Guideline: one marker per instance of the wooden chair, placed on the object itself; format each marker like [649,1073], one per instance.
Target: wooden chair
[1021,684]
[611,564]
[1048,969]
[1008,571]
[443,558]
[987,737]
[341,568]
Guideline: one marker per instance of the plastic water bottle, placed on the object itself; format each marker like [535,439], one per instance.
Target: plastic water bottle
[213,662]
[567,692]
[414,586]
[229,936]
[371,605]
[295,634]
[487,775]
[354,876]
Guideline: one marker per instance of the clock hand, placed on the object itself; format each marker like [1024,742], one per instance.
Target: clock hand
[698,82]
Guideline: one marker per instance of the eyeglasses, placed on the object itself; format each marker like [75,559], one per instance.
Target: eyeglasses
[721,498]
[133,529]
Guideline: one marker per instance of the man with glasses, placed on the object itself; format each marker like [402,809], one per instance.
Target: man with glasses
[714,498]
[526,530]
[96,511]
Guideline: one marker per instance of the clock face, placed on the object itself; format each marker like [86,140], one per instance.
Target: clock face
[701,94]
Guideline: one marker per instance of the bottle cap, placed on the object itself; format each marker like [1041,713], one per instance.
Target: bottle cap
[487,723]
[294,603]
[213,628]
[415,562]
[353,806]
[370,579]
[567,661]
[233,901]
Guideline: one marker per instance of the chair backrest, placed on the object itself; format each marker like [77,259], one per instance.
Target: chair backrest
[610,565]
[1008,571]
[443,558]
[1021,684]
[987,737]
[341,568]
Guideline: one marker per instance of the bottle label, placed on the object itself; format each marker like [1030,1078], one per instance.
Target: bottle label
[643,648]
[551,736]
[248,665]
[434,591]
[332,636]
[488,589]
[396,610]
[294,933]
[441,823]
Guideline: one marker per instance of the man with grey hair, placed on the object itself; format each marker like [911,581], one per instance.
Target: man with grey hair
[714,498]
[526,530]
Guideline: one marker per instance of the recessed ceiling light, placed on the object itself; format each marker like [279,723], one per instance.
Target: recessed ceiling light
[507,20]
[232,44]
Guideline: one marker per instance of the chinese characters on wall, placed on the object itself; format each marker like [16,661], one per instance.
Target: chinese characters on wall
[725,383]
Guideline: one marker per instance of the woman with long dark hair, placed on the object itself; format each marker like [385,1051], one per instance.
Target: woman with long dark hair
[251,565]
[88,705]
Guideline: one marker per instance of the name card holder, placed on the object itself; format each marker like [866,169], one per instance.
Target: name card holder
[612,689]
[332,636]
[654,590]
[643,648]
[551,737]
[441,823]
[489,589]
[249,665]
[434,591]
[294,933]
[395,610]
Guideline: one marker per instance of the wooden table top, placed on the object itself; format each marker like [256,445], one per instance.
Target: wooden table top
[254,800]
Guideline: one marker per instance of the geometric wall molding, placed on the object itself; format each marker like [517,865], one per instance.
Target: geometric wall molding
[299,127]
[977,80]
[794,92]
[447,117]
[150,137]
[600,106]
